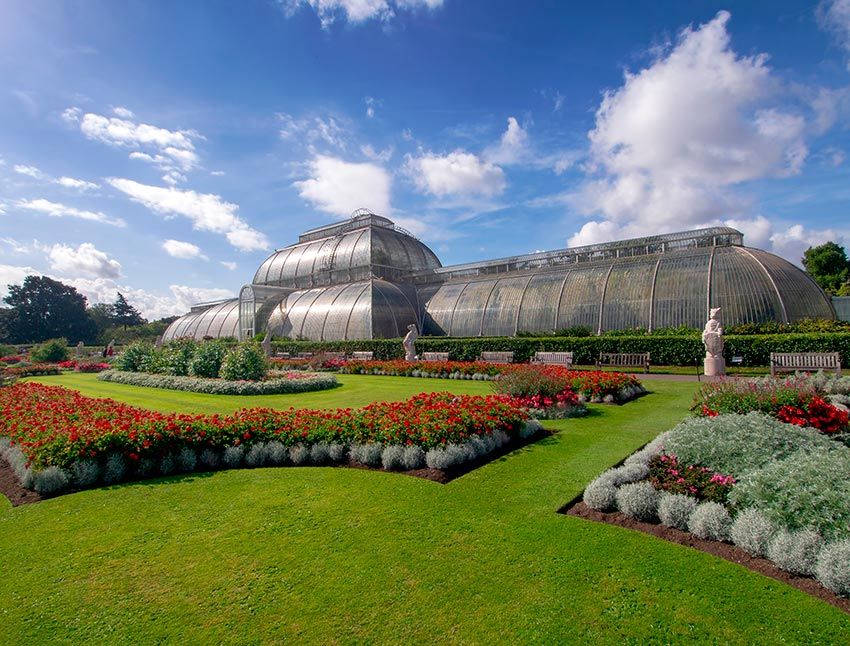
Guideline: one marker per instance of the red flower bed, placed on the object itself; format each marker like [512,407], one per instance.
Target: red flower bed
[84,366]
[12,359]
[32,370]
[667,474]
[54,426]
[816,413]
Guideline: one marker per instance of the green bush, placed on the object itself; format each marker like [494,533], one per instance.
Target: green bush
[207,359]
[176,357]
[7,350]
[51,351]
[137,357]
[245,362]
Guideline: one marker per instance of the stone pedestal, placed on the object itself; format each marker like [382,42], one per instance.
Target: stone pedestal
[715,366]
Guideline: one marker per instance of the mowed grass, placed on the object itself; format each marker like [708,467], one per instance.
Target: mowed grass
[333,555]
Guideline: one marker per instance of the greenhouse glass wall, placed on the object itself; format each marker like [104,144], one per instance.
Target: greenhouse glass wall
[366,278]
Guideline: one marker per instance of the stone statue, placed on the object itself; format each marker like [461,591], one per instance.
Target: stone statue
[267,344]
[81,351]
[409,343]
[712,337]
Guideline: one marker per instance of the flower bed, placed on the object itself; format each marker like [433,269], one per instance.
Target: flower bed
[84,366]
[776,490]
[795,400]
[56,438]
[281,383]
[32,370]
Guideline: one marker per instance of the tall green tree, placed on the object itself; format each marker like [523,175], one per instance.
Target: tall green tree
[43,308]
[828,265]
[125,314]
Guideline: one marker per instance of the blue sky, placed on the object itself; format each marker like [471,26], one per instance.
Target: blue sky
[163,149]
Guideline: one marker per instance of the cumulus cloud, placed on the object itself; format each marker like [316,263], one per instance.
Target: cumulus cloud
[184,250]
[85,260]
[834,16]
[339,187]
[670,144]
[228,264]
[123,112]
[513,146]
[170,150]
[459,173]
[57,210]
[206,211]
[357,11]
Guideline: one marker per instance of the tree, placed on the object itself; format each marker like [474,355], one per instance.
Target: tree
[103,315]
[43,308]
[828,265]
[125,314]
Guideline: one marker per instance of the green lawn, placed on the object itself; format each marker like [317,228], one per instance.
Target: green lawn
[328,555]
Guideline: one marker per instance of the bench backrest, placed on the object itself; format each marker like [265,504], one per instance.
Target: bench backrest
[624,358]
[362,356]
[790,361]
[559,358]
[435,356]
[497,357]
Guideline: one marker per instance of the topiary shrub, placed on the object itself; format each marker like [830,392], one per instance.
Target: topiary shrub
[601,494]
[448,456]
[187,460]
[674,509]
[629,473]
[245,362]
[832,568]
[299,454]
[320,453]
[796,552]
[137,357]
[277,452]
[337,452]
[50,351]
[752,531]
[207,360]
[368,454]
[638,500]
[711,521]
[257,455]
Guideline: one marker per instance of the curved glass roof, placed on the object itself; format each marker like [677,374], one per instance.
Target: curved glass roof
[218,320]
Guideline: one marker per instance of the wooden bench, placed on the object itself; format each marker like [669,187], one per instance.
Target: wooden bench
[804,361]
[435,356]
[624,360]
[497,357]
[362,356]
[553,358]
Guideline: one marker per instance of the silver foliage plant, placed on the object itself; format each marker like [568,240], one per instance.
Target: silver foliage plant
[299,454]
[85,472]
[392,457]
[51,480]
[413,457]
[209,459]
[257,455]
[187,460]
[277,452]
[18,461]
[752,531]
[832,567]
[232,457]
[601,494]
[674,509]
[638,500]
[710,521]
[796,552]
[368,454]
[115,468]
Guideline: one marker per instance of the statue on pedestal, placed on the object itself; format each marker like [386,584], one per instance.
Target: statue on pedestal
[267,344]
[409,343]
[712,337]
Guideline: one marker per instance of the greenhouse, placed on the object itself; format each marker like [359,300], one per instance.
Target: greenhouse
[366,278]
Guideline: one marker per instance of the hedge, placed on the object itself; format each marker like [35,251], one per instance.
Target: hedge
[664,350]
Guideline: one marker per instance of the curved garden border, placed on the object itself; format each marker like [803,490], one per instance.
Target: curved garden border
[283,386]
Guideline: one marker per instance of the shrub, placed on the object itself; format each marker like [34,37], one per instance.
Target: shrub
[51,480]
[710,521]
[337,452]
[187,460]
[448,456]
[176,357]
[207,360]
[629,473]
[413,457]
[674,509]
[168,464]
[832,568]
[84,473]
[245,362]
[737,444]
[796,552]
[299,454]
[368,454]
[601,494]
[211,459]
[392,457]
[665,472]
[638,500]
[807,489]
[114,469]
[752,531]
[290,383]
[278,453]
[257,455]
[320,453]
[232,457]
[51,351]
[137,357]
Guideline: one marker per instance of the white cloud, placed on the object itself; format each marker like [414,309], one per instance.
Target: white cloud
[57,210]
[834,15]
[340,187]
[85,260]
[30,171]
[207,211]
[230,265]
[184,250]
[670,143]
[457,173]
[217,173]
[357,11]
[12,275]
[123,112]
[371,102]
[170,150]
[382,156]
[512,148]
[79,184]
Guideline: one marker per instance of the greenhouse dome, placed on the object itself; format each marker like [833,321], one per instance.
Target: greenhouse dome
[365,278]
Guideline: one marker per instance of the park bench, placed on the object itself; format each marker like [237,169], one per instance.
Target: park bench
[804,361]
[435,356]
[553,358]
[624,360]
[497,357]
[362,356]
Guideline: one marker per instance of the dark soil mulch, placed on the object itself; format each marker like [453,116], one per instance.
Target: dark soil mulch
[722,550]
[12,489]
